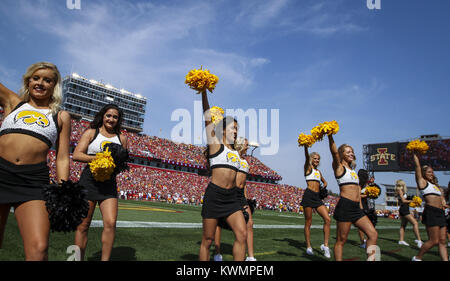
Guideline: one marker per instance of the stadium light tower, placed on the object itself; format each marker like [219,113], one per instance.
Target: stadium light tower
[254,144]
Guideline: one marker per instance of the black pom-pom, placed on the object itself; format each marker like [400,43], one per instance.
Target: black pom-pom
[252,204]
[323,192]
[66,204]
[222,223]
[120,156]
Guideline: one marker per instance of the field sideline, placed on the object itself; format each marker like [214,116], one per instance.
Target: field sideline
[151,231]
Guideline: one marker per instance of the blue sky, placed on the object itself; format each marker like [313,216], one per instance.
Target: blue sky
[382,74]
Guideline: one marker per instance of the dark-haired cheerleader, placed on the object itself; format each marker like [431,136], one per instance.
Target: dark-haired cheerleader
[312,200]
[241,146]
[32,125]
[433,215]
[219,200]
[104,129]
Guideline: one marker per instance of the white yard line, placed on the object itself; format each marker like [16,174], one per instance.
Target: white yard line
[144,224]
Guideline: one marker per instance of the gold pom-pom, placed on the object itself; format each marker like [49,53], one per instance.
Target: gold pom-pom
[102,166]
[416,202]
[330,128]
[317,133]
[372,192]
[325,128]
[216,114]
[201,80]
[305,140]
[417,146]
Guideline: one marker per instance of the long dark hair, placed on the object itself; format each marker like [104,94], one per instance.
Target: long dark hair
[222,124]
[363,176]
[98,119]
[219,133]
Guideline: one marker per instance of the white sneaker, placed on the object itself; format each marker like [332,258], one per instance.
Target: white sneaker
[403,243]
[363,245]
[218,257]
[415,259]
[309,251]
[326,251]
[419,243]
[250,259]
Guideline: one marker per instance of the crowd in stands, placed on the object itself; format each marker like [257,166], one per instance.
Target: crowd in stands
[437,156]
[149,183]
[145,183]
[167,150]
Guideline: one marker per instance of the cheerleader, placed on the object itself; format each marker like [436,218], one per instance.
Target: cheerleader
[105,128]
[241,178]
[349,210]
[220,195]
[368,207]
[405,215]
[433,215]
[32,125]
[447,198]
[312,200]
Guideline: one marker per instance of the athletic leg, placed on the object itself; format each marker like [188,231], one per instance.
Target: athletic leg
[209,229]
[109,209]
[34,226]
[81,234]
[237,223]
[342,230]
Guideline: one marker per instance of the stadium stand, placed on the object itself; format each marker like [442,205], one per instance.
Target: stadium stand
[179,187]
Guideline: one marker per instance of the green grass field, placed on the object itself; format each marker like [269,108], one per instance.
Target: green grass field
[182,244]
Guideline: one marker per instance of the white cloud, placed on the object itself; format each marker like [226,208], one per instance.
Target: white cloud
[262,13]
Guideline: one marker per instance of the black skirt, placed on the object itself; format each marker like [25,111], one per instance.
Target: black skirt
[241,197]
[98,191]
[219,202]
[433,216]
[22,183]
[311,199]
[347,211]
[404,210]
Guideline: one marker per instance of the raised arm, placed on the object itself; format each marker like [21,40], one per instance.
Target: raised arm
[8,99]
[307,167]
[337,166]
[421,182]
[209,125]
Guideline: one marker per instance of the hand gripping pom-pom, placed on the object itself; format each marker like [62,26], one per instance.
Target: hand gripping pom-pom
[418,146]
[201,80]
[305,140]
[416,202]
[323,193]
[102,167]
[66,204]
[120,156]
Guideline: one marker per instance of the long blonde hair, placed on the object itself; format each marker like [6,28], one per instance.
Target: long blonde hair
[341,153]
[56,98]
[239,144]
[434,180]
[400,185]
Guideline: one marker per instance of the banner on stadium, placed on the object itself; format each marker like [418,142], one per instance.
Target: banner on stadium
[383,157]
[393,157]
